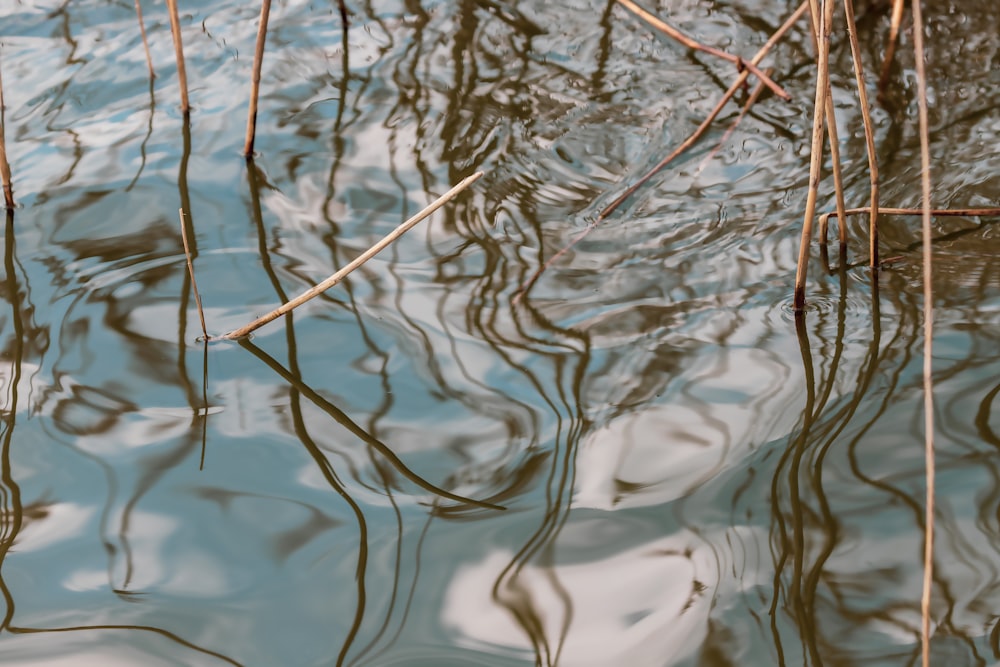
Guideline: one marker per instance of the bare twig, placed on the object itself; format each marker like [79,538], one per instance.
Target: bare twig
[815,163]
[175,30]
[190,265]
[890,47]
[258,60]
[925,186]
[938,212]
[691,43]
[145,42]
[360,260]
[866,118]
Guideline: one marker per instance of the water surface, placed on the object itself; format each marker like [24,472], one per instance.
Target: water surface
[639,460]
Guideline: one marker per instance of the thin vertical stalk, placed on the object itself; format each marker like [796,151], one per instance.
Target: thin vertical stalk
[816,161]
[258,61]
[866,119]
[145,42]
[831,131]
[175,30]
[925,186]
[8,190]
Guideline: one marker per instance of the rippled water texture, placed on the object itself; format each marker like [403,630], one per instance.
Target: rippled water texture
[686,476]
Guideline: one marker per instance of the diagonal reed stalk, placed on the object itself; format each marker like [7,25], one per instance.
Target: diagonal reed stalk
[190,266]
[258,60]
[925,186]
[690,141]
[695,45]
[815,163]
[145,42]
[866,119]
[381,245]
[175,30]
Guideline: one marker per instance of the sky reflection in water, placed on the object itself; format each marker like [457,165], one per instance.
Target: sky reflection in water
[688,477]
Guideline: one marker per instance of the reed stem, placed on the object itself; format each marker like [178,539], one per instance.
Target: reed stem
[381,245]
[145,42]
[816,158]
[175,30]
[866,119]
[258,60]
[5,183]
[925,186]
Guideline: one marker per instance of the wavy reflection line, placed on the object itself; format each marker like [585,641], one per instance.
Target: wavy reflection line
[161,465]
[11,510]
[11,515]
[142,628]
[331,477]
[298,420]
[149,132]
[345,421]
[559,487]
[801,592]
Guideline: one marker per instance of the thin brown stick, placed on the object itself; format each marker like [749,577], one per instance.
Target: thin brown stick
[613,206]
[258,60]
[145,42]
[938,212]
[381,245]
[190,265]
[925,186]
[691,43]
[831,132]
[8,189]
[866,119]
[815,163]
[175,30]
[890,47]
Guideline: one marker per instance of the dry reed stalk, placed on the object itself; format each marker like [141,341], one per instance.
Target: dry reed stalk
[866,119]
[691,43]
[831,131]
[925,186]
[381,245]
[8,190]
[613,206]
[145,42]
[175,30]
[258,60]
[190,266]
[938,212]
[815,163]
[890,47]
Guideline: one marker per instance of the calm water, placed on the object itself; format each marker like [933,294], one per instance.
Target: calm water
[686,477]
